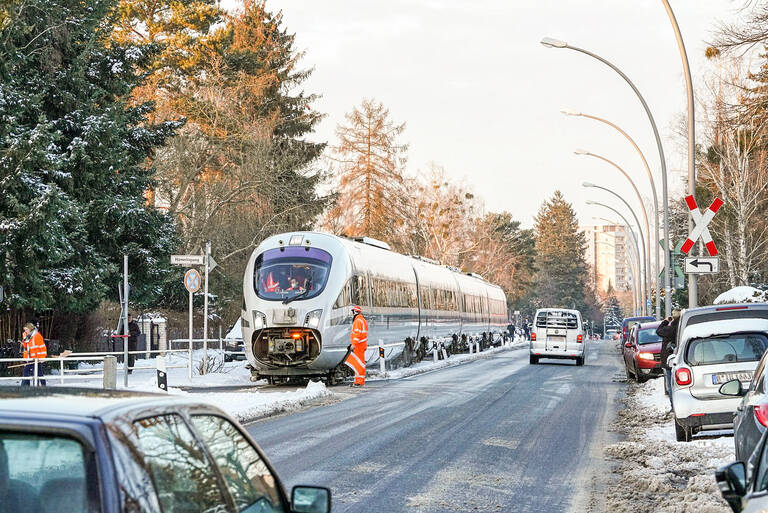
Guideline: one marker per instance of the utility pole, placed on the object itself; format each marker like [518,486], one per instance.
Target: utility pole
[126,333]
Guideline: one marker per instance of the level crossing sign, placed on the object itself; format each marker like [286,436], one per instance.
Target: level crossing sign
[192,280]
[701,222]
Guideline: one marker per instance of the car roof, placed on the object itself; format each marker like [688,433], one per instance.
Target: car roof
[80,402]
[638,318]
[648,325]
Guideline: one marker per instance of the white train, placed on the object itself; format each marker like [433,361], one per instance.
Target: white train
[299,288]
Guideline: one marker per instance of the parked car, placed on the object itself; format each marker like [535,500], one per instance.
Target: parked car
[745,486]
[751,417]
[642,352]
[69,450]
[611,334]
[234,349]
[628,322]
[715,344]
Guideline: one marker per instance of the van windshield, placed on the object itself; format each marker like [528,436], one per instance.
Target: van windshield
[738,347]
[283,273]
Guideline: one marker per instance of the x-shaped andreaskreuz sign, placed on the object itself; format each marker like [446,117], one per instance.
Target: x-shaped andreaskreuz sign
[701,221]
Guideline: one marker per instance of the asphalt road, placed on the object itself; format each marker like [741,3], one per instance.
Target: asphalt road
[492,435]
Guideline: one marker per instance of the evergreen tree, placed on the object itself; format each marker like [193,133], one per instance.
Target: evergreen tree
[612,310]
[559,261]
[72,155]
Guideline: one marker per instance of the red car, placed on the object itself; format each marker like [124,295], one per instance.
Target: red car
[642,352]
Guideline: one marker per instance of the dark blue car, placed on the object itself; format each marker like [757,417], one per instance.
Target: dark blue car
[86,451]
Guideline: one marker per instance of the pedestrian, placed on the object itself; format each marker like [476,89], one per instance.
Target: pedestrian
[133,341]
[527,330]
[667,330]
[358,345]
[34,347]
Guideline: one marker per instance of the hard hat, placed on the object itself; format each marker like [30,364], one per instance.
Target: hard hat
[356,310]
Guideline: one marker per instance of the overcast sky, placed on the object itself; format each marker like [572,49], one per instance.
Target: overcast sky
[481,97]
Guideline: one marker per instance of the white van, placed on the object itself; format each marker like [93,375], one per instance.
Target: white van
[557,333]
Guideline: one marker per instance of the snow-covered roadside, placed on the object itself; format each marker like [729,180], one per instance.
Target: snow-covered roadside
[657,473]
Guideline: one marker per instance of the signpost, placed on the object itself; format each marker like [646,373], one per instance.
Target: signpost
[192,284]
[702,265]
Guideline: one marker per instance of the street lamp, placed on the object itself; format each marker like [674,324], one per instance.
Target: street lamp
[639,228]
[651,241]
[555,43]
[647,255]
[627,227]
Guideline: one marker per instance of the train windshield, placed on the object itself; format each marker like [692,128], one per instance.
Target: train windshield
[292,271]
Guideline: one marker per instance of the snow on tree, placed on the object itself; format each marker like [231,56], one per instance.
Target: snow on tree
[72,153]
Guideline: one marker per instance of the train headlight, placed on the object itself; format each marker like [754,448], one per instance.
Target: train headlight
[313,318]
[259,320]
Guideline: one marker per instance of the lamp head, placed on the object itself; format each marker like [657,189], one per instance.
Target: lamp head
[570,112]
[588,184]
[553,43]
[580,151]
[590,202]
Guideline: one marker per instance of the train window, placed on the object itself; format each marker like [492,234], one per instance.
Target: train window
[281,273]
[362,287]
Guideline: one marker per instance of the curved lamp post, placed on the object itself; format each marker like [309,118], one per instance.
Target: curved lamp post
[647,251]
[651,241]
[639,228]
[555,43]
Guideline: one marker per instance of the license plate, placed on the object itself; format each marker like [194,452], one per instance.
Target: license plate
[724,377]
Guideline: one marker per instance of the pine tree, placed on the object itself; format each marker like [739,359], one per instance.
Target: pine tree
[559,261]
[72,155]
[371,191]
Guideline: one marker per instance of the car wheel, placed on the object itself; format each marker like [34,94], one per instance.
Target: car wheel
[579,361]
[534,360]
[227,358]
[640,377]
[682,433]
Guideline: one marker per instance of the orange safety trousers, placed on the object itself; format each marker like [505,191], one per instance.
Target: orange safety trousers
[359,343]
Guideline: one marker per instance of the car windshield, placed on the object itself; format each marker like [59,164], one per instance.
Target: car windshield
[738,347]
[287,272]
[648,336]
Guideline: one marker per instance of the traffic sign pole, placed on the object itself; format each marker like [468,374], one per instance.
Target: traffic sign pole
[192,284]
[125,321]
[190,336]
[205,309]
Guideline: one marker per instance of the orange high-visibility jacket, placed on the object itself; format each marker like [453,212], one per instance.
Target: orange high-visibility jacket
[34,347]
[359,343]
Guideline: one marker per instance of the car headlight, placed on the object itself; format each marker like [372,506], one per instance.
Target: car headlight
[259,320]
[645,356]
[313,318]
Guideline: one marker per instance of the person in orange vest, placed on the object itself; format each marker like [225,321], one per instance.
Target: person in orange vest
[358,345]
[34,347]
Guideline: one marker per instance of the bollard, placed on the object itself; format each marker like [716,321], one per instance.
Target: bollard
[434,353]
[110,372]
[470,347]
[477,347]
[445,354]
[382,360]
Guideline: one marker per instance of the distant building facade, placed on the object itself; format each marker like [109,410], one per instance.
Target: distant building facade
[607,255]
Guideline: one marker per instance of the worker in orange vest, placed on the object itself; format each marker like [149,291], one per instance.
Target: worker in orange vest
[358,345]
[34,347]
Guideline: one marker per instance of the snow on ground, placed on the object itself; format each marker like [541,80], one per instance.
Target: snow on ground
[743,294]
[657,473]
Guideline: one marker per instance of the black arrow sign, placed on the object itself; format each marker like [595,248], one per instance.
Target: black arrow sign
[695,263]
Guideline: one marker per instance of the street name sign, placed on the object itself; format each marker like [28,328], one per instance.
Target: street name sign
[702,265]
[192,280]
[187,259]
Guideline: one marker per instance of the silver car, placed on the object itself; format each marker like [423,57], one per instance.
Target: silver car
[715,344]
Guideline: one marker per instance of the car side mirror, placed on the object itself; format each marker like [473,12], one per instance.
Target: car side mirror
[733,388]
[310,499]
[732,481]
